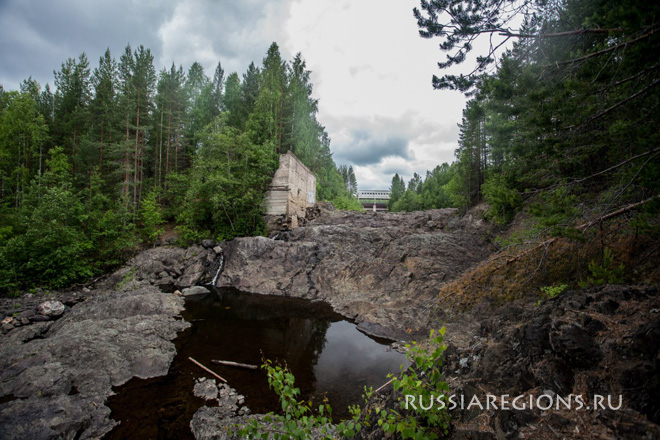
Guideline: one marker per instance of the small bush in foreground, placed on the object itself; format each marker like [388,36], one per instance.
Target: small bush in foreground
[299,420]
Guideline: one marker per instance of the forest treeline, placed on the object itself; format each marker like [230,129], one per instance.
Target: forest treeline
[96,165]
[566,123]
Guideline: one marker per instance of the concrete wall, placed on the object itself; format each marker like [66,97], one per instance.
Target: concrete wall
[292,190]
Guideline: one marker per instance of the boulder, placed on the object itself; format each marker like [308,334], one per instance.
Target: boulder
[195,290]
[206,390]
[51,308]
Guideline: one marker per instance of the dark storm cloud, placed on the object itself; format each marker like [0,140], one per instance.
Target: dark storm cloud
[234,32]
[37,36]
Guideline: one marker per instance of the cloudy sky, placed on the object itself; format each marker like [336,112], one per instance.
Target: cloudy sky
[370,69]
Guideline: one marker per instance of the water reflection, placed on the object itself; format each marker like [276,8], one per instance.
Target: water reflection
[327,355]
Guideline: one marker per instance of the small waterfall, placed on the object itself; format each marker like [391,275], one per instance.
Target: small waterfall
[220,267]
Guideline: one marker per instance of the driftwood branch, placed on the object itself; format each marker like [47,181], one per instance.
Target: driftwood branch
[207,370]
[235,364]
[384,385]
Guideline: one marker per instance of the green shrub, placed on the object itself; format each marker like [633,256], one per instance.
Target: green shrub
[423,380]
[503,201]
[300,421]
[549,292]
[152,216]
[347,203]
[297,420]
[606,273]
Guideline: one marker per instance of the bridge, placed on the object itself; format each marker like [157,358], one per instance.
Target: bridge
[374,199]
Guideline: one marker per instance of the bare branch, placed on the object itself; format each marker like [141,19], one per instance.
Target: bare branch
[618,104]
[508,33]
[609,49]
[612,168]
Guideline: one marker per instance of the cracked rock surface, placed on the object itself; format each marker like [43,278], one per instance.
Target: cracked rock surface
[370,267]
[56,375]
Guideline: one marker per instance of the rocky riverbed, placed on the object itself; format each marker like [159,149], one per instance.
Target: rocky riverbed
[57,370]
[59,365]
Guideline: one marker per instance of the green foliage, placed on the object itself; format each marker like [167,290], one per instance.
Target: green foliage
[347,203]
[397,189]
[127,278]
[606,273]
[552,291]
[433,192]
[503,200]
[555,210]
[348,176]
[23,135]
[50,247]
[549,292]
[410,201]
[61,236]
[227,183]
[151,215]
[109,225]
[300,420]
[423,380]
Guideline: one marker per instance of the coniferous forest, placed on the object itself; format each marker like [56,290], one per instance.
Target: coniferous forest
[94,167]
[566,123]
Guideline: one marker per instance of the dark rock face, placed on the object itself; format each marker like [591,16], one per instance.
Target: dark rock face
[170,267]
[56,375]
[578,344]
[369,267]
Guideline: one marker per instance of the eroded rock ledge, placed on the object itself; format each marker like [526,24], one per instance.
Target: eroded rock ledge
[55,376]
[377,269]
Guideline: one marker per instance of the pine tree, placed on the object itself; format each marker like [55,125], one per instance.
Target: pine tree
[232,101]
[266,121]
[170,113]
[104,110]
[72,97]
[23,133]
[138,80]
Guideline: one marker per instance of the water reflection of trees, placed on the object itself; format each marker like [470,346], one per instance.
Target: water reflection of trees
[289,330]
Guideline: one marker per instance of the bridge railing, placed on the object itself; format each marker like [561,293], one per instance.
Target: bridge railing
[373,195]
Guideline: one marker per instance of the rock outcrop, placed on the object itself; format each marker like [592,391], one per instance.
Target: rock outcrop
[378,269]
[601,341]
[171,268]
[56,375]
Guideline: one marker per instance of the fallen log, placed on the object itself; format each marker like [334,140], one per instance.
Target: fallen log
[206,369]
[235,364]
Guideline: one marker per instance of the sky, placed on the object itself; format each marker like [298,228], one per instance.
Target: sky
[371,71]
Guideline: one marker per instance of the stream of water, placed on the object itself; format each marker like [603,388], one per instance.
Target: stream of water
[328,356]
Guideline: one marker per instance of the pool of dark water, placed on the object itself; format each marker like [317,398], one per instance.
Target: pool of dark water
[328,356]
